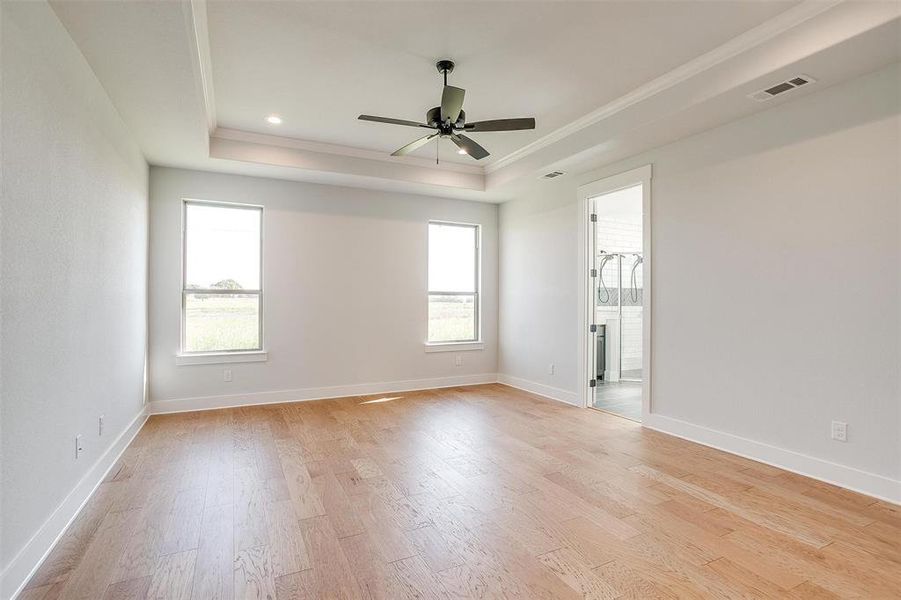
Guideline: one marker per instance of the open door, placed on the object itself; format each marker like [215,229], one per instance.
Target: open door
[617,327]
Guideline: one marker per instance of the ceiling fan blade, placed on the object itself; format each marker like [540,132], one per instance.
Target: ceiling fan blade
[501,125]
[469,145]
[413,145]
[393,121]
[451,103]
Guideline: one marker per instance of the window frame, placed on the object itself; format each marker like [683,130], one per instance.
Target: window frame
[183,352]
[477,285]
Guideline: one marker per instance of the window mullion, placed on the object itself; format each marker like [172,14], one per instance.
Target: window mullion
[445,293]
[220,291]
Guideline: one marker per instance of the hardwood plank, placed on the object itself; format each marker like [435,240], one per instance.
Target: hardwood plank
[332,574]
[173,577]
[463,582]
[36,592]
[251,501]
[416,579]
[766,519]
[133,589]
[433,549]
[145,545]
[704,547]
[811,591]
[94,572]
[214,568]
[379,522]
[71,548]
[568,567]
[296,586]
[370,569]
[183,532]
[286,546]
[476,492]
[336,502]
[254,579]
[629,584]
[366,467]
[306,501]
[756,586]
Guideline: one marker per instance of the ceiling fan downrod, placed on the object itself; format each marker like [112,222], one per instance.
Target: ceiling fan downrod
[445,66]
[449,121]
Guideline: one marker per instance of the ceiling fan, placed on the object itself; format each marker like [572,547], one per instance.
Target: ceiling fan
[449,119]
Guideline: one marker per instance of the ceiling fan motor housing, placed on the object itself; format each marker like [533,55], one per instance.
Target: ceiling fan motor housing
[433,118]
[445,66]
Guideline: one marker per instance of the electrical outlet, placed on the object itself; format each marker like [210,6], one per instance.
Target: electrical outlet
[100,426]
[458,360]
[551,369]
[840,431]
[227,375]
[79,447]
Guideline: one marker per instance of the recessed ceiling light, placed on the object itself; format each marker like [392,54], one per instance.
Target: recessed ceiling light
[462,151]
[274,120]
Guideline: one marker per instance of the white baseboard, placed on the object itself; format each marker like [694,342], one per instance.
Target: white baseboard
[850,478]
[158,407]
[539,388]
[27,561]
[30,557]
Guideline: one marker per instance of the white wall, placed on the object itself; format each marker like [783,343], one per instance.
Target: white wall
[74,268]
[757,334]
[344,297]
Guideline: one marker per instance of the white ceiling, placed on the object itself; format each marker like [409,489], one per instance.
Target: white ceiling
[194,79]
[320,64]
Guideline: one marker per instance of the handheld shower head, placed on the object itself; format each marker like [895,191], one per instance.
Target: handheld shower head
[633,291]
[603,292]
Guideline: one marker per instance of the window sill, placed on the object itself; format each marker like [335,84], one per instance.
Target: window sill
[215,358]
[454,346]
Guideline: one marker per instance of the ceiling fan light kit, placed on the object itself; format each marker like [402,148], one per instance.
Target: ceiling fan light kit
[449,121]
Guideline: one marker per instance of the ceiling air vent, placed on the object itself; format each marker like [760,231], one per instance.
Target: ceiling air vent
[781,88]
[553,174]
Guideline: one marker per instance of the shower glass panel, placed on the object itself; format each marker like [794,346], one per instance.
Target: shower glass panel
[618,302]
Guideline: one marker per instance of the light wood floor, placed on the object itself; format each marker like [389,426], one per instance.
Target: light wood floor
[479,492]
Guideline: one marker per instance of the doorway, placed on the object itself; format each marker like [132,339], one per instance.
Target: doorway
[617,301]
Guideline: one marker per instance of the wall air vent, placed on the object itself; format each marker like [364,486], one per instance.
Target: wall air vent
[781,88]
[553,174]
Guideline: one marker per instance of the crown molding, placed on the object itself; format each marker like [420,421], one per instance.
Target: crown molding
[292,154]
[753,38]
[238,135]
[198,18]
[748,40]
[197,15]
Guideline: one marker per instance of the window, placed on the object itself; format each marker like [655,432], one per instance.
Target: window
[453,283]
[221,285]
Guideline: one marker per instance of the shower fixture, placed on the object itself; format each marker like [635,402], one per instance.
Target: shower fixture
[633,291]
[603,290]
[604,296]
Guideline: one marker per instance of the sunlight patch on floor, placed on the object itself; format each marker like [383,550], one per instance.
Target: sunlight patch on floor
[378,400]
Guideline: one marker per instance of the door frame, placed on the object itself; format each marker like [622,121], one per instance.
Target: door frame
[587,192]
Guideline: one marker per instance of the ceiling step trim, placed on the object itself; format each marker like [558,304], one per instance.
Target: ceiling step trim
[748,40]
[238,135]
[197,15]
[297,156]
[203,62]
